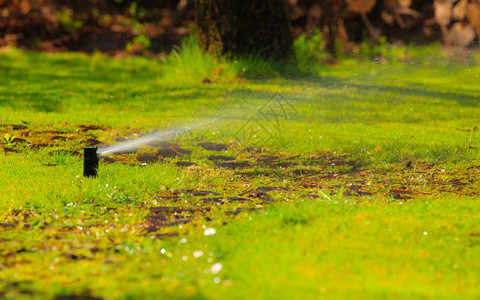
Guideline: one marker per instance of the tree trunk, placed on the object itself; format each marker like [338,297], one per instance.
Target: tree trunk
[244,28]
[332,13]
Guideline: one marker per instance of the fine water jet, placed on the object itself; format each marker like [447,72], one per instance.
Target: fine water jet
[92,154]
[90,162]
[133,145]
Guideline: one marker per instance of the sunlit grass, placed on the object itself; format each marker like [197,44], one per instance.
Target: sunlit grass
[337,248]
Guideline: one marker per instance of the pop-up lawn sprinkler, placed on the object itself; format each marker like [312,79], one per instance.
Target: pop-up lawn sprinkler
[90,162]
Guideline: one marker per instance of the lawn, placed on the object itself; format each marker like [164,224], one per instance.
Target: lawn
[352,180]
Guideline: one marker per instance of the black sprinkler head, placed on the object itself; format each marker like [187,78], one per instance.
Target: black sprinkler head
[90,162]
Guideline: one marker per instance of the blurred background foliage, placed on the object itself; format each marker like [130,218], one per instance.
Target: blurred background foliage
[119,27]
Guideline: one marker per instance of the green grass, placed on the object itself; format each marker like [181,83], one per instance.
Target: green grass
[388,210]
[343,249]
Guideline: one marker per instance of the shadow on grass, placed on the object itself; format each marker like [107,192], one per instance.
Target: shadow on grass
[418,90]
[255,68]
[44,82]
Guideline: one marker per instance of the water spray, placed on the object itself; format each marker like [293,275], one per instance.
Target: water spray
[133,145]
[92,154]
[90,162]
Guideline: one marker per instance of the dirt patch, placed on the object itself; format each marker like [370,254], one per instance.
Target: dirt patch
[271,188]
[237,199]
[310,186]
[221,200]
[245,174]
[14,225]
[74,256]
[343,162]
[160,144]
[19,140]
[355,192]
[254,150]
[90,127]
[214,200]
[164,235]
[37,146]
[196,193]
[315,162]
[401,194]
[176,209]
[213,146]
[456,182]
[19,127]
[59,137]
[235,165]
[268,159]
[163,220]
[93,142]
[169,198]
[236,211]
[10,150]
[107,160]
[185,164]
[255,194]
[283,165]
[221,158]
[171,152]
[305,172]
[170,216]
